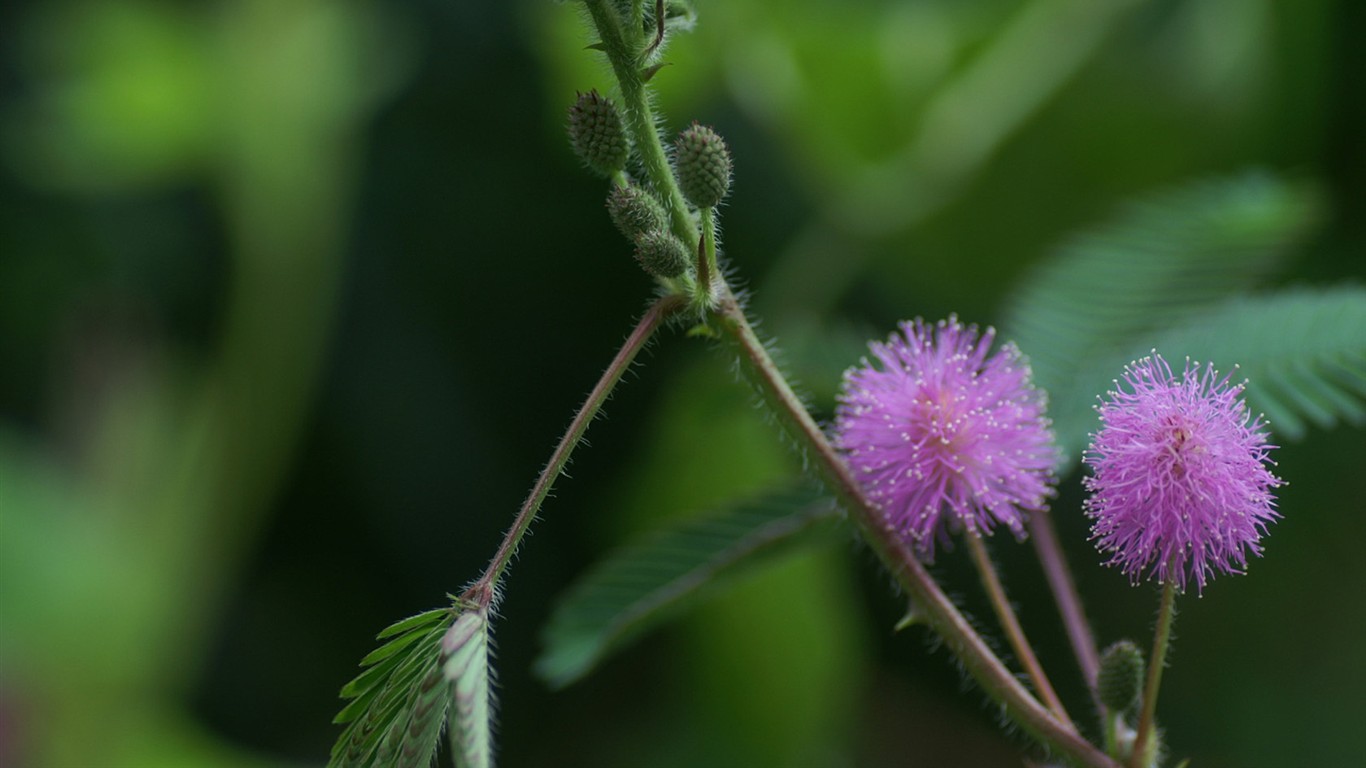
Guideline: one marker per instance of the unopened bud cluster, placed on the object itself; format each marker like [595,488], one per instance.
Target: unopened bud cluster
[703,164]
[597,134]
[702,167]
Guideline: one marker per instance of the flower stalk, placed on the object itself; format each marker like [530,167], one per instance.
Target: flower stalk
[1044,536]
[896,554]
[1014,632]
[1144,744]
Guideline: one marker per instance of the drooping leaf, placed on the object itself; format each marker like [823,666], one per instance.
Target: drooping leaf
[643,584]
[1155,266]
[465,669]
[384,699]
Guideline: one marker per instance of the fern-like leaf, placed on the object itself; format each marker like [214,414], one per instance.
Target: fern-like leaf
[465,669]
[643,584]
[1303,352]
[386,700]
[1157,265]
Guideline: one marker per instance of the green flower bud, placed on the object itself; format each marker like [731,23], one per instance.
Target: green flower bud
[636,212]
[704,166]
[597,134]
[1120,679]
[661,254]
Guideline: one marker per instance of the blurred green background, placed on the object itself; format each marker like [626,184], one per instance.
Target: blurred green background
[296,296]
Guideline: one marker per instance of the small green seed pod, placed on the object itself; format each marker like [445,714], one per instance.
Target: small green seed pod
[661,254]
[596,132]
[704,166]
[636,212]
[1120,679]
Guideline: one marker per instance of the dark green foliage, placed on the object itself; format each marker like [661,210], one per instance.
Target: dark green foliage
[703,166]
[641,585]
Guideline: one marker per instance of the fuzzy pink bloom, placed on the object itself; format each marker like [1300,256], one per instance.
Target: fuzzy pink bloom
[1181,488]
[944,435]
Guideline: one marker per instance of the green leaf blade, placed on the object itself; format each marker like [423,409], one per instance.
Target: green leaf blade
[641,585]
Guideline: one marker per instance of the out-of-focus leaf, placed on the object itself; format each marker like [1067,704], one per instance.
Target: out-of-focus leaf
[1303,352]
[1155,266]
[641,585]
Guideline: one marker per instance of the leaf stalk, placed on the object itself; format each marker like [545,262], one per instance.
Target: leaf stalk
[484,591]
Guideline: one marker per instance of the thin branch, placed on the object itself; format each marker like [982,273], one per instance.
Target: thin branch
[1014,632]
[484,590]
[1045,540]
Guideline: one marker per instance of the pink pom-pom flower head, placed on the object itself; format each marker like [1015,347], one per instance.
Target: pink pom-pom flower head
[1180,487]
[942,434]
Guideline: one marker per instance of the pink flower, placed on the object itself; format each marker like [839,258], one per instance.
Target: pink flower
[1180,488]
[943,435]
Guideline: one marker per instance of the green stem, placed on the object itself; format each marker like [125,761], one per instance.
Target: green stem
[484,590]
[1143,751]
[622,48]
[1014,632]
[895,554]
[706,261]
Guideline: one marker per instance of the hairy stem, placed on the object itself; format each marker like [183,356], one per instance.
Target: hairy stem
[942,614]
[1014,632]
[484,590]
[706,260]
[1143,752]
[622,45]
[1083,641]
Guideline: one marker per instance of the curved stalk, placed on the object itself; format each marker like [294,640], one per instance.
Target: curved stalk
[1014,632]
[1045,540]
[484,591]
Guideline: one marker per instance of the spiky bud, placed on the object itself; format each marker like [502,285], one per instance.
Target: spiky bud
[1120,679]
[703,163]
[661,254]
[597,134]
[636,212]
